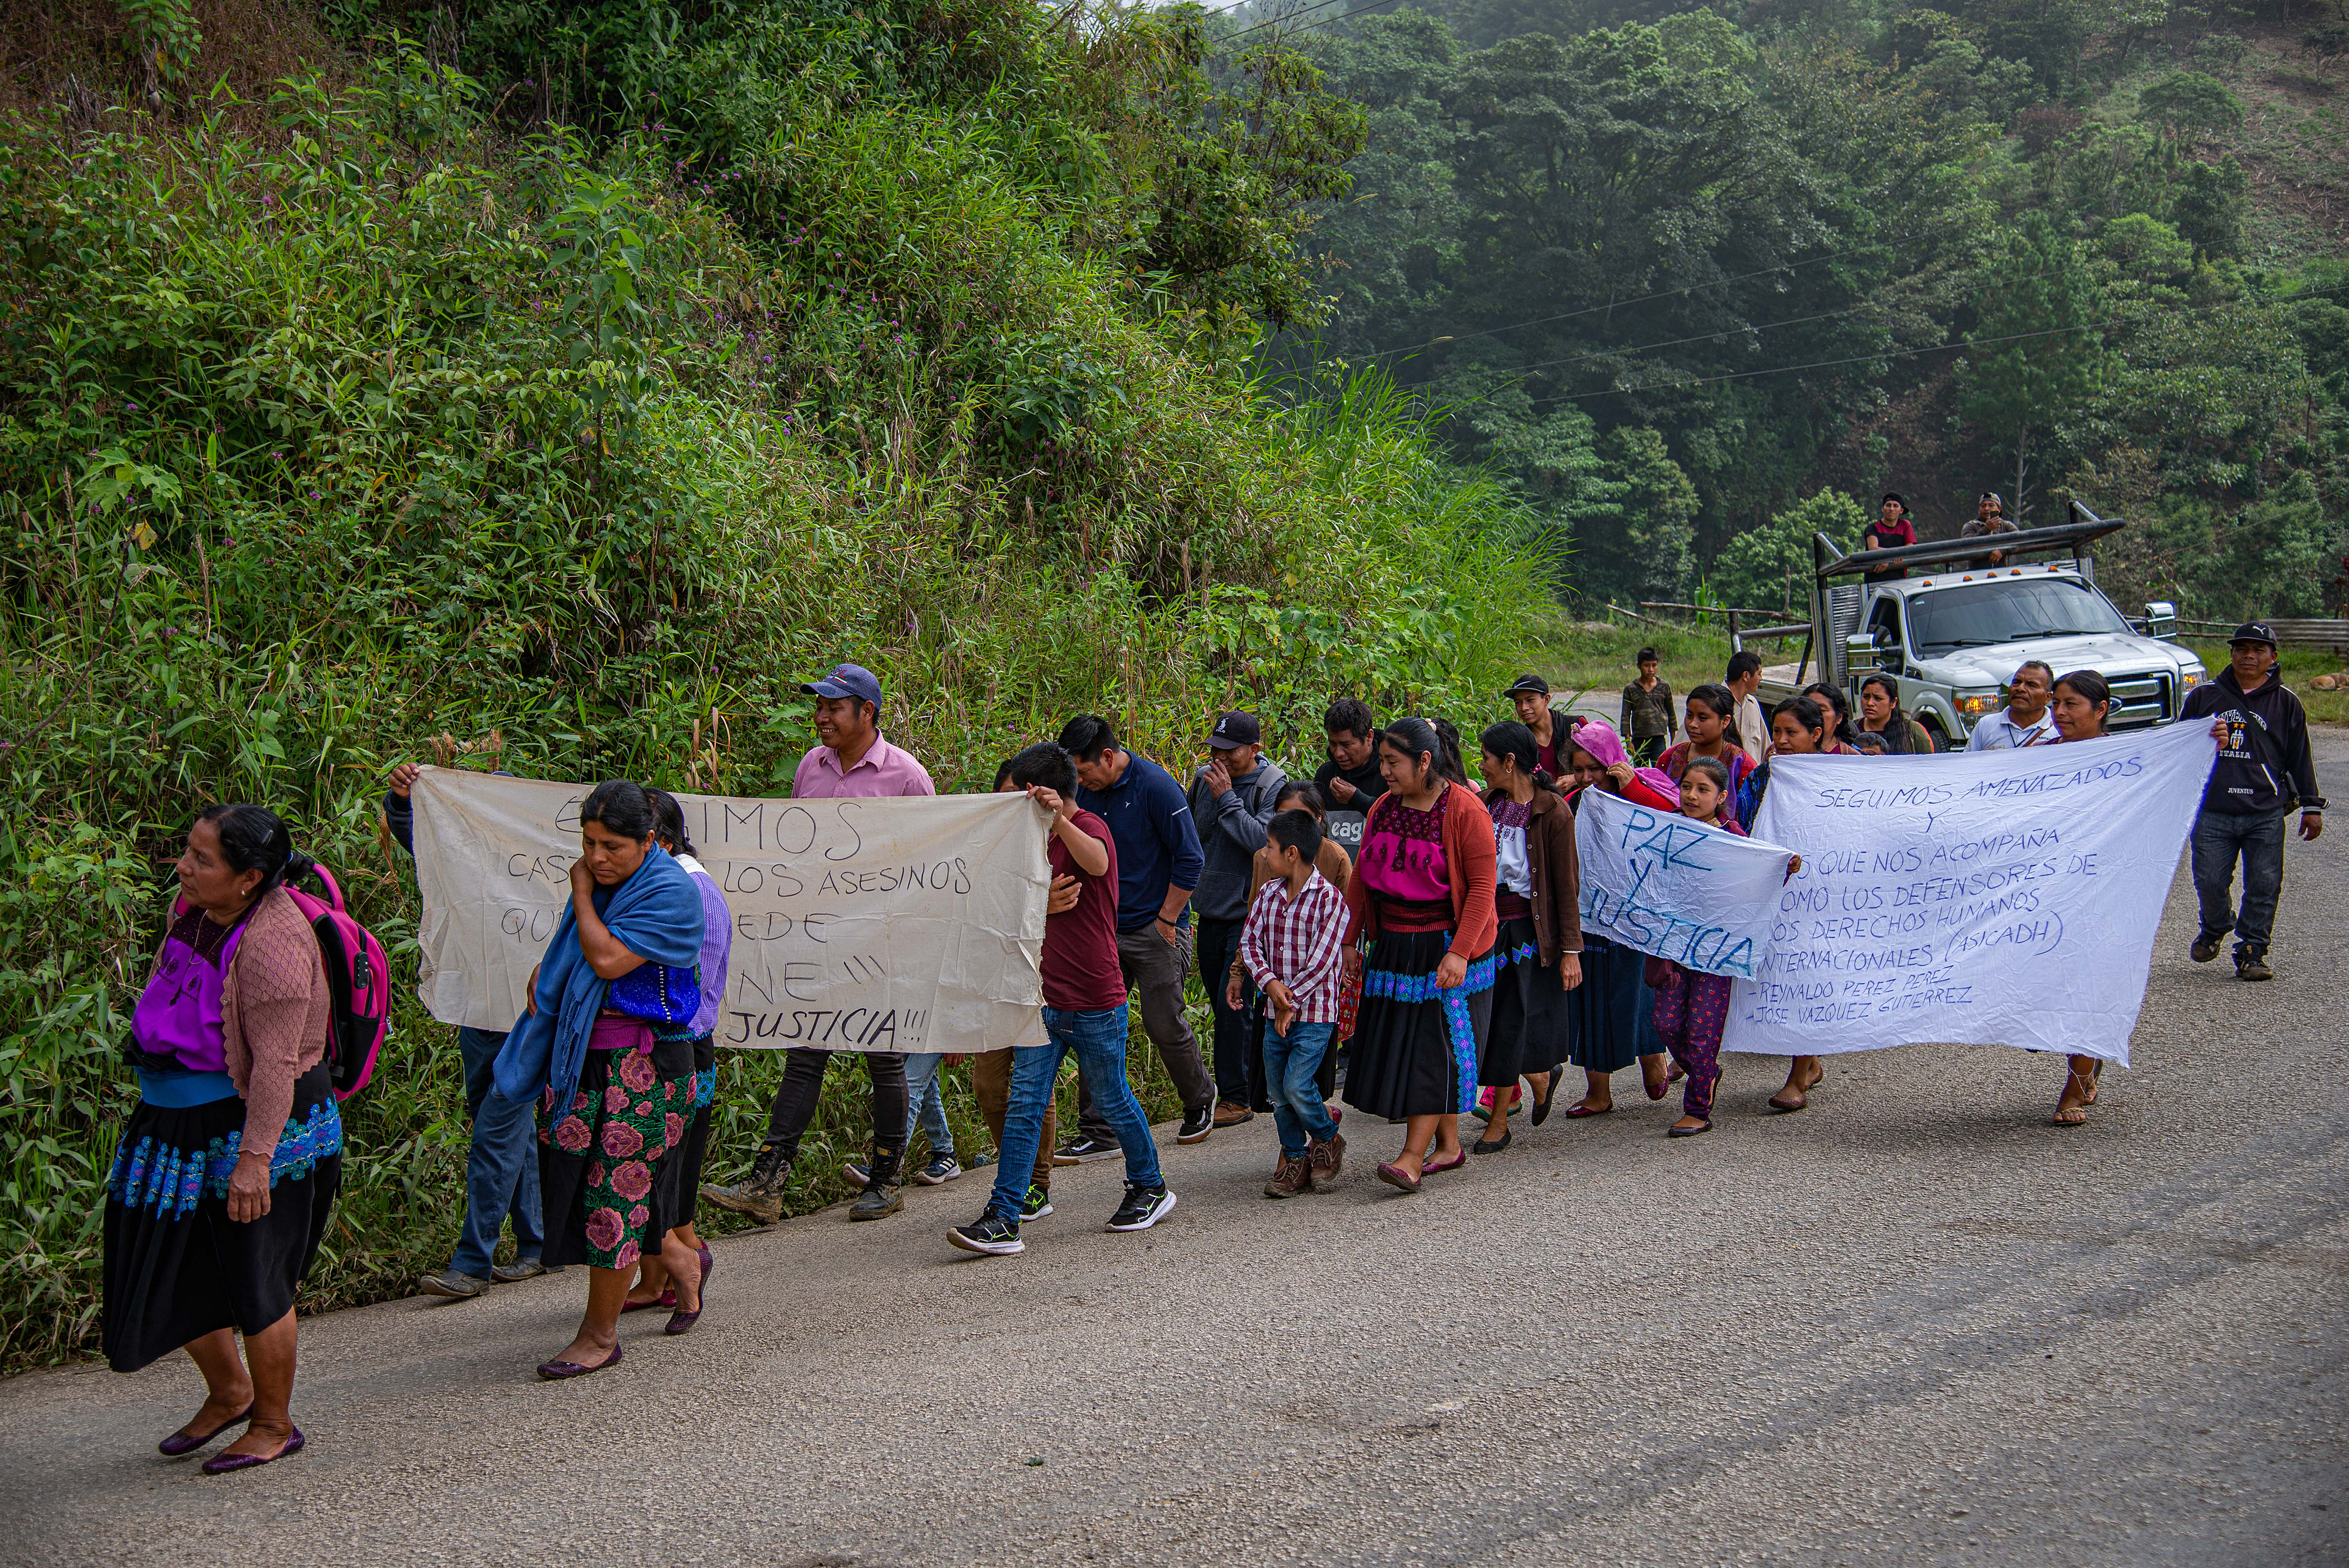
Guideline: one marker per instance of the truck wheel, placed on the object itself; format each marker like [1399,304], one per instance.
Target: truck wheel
[1941,742]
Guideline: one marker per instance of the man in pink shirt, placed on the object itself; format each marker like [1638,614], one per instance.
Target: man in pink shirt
[853,762]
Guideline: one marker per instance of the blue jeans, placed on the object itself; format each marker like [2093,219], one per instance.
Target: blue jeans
[1292,1076]
[927,1099]
[2220,837]
[1098,1039]
[500,1166]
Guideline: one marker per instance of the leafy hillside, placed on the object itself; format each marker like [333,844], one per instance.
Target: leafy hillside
[431,398]
[1674,271]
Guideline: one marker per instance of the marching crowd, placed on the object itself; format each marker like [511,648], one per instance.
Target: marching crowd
[1426,964]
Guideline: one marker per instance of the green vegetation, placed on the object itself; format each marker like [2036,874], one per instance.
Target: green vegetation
[388,409]
[2066,248]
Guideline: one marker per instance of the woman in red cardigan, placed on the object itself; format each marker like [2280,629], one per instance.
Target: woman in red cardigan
[1423,895]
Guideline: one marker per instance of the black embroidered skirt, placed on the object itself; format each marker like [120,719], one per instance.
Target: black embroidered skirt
[177,1267]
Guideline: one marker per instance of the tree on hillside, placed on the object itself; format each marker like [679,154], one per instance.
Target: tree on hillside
[1768,566]
[2036,354]
[2192,102]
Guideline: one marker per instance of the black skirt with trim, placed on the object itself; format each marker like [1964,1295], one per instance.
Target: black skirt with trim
[177,1267]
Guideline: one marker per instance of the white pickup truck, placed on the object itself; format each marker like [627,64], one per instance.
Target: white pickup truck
[1955,629]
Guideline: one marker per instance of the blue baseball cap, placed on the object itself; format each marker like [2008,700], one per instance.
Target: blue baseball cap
[846,681]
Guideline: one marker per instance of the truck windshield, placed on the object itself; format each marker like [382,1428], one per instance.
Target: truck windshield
[2013,611]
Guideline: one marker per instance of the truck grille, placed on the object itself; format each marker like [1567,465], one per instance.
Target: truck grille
[2142,699]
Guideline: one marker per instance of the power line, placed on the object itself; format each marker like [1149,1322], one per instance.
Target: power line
[1309,27]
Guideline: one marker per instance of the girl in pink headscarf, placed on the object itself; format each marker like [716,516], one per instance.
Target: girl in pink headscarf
[1609,1015]
[1600,758]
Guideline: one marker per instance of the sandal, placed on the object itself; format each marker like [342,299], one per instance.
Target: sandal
[2095,1078]
[1801,1092]
[2076,1114]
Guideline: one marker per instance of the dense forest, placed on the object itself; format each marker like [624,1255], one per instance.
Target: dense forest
[2046,247]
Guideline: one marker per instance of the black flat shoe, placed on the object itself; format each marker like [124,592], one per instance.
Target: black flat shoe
[1542,1106]
[1486,1146]
[1688,1132]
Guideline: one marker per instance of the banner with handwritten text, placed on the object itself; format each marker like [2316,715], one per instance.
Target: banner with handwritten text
[1674,887]
[1986,898]
[859,925]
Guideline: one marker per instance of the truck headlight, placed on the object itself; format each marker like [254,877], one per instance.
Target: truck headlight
[2195,675]
[1974,704]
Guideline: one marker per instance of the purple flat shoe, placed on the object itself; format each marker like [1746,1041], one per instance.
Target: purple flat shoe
[681,1322]
[1438,1168]
[556,1371]
[221,1464]
[173,1446]
[666,1299]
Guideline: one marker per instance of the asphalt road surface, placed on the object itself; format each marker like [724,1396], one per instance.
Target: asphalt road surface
[1913,1324]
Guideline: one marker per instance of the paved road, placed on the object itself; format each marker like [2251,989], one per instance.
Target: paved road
[1913,1323]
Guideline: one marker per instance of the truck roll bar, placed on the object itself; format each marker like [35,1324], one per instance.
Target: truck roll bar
[2065,538]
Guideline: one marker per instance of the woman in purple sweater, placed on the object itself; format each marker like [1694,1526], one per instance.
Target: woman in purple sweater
[680,1178]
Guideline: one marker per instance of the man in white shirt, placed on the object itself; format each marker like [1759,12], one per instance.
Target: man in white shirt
[1753,728]
[2027,719]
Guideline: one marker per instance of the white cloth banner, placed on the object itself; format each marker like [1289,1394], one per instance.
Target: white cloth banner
[1987,897]
[1674,887]
[859,925]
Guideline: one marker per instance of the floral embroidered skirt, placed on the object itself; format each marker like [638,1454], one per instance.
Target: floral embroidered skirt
[1610,1008]
[1528,1031]
[1415,1047]
[679,1186]
[177,1267]
[599,1160]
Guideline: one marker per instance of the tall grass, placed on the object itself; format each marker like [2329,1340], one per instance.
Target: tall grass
[317,448]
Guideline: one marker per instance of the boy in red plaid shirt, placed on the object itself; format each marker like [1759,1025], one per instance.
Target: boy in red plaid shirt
[1293,945]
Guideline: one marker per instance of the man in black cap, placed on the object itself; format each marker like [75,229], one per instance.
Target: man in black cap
[1231,800]
[1530,693]
[1892,530]
[2264,767]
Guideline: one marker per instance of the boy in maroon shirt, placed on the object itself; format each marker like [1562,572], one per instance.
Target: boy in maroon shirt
[1085,1013]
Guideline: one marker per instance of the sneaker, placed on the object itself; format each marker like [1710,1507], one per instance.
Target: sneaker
[1231,1114]
[879,1201]
[1037,1204]
[993,1235]
[2253,968]
[1327,1158]
[2205,948]
[520,1269]
[452,1284]
[1196,1125]
[1076,1151]
[1292,1176]
[1144,1207]
[760,1196]
[940,1169]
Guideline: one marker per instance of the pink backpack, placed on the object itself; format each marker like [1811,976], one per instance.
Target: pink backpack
[358,978]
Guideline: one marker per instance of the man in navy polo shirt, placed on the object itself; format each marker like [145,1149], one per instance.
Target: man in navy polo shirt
[1158,864]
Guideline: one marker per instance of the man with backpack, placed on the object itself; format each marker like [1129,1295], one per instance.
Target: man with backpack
[502,1159]
[2264,767]
[1231,800]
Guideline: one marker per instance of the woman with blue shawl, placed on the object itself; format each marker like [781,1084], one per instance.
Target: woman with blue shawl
[602,1045]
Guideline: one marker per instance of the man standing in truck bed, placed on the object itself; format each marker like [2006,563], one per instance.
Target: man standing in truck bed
[2264,766]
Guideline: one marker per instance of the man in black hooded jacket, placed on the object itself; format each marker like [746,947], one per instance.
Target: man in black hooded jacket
[2264,768]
